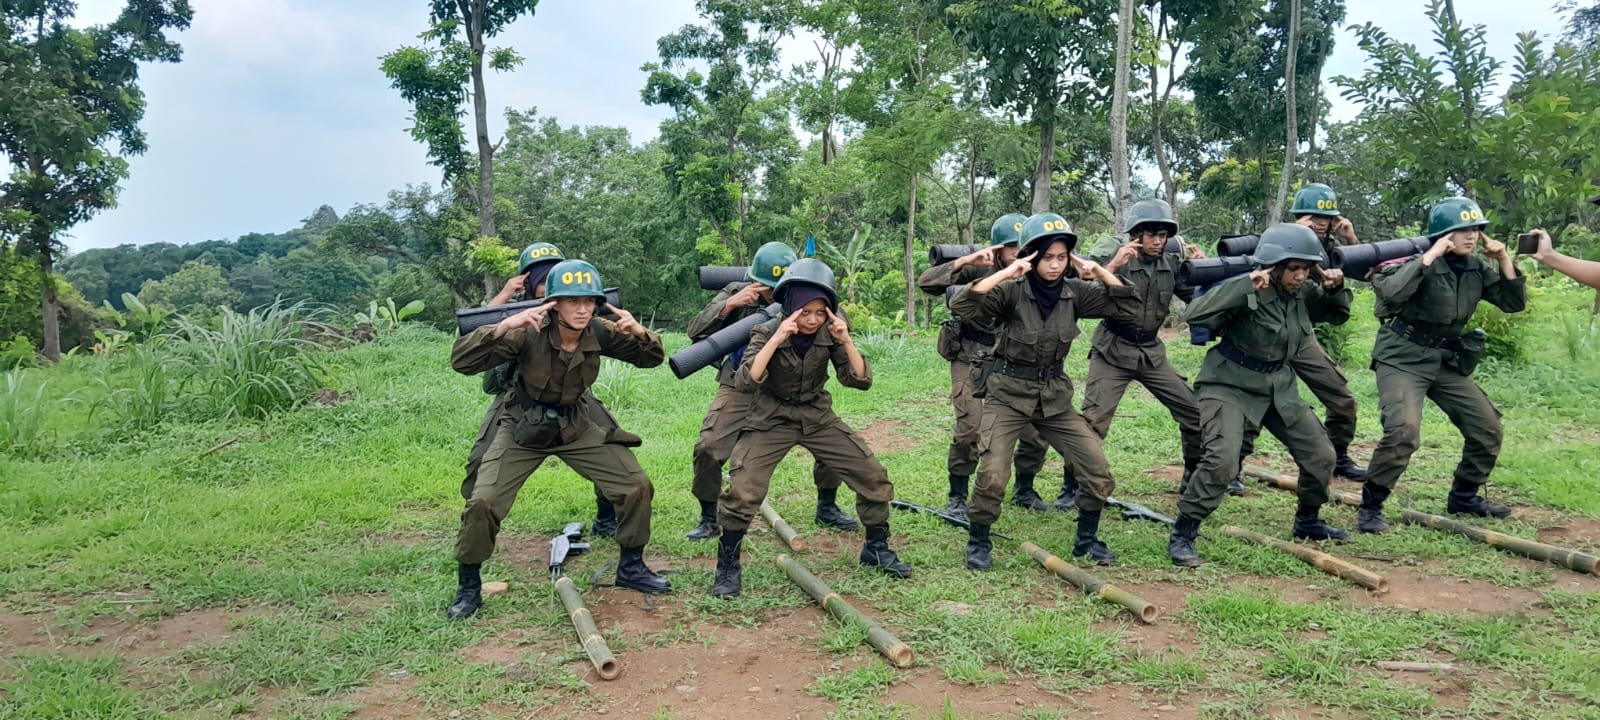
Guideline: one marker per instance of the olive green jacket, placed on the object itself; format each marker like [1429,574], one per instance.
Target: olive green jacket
[1433,300]
[711,320]
[1155,280]
[794,389]
[1268,325]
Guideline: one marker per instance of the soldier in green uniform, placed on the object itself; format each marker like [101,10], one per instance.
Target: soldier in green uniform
[965,344]
[785,369]
[557,346]
[1035,304]
[731,406]
[1317,207]
[1423,304]
[528,284]
[1262,319]
[1121,352]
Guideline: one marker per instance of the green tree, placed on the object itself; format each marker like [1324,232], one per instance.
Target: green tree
[434,78]
[195,286]
[69,115]
[416,227]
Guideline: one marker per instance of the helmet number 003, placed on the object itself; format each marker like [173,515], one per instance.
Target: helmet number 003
[1055,225]
[1473,214]
[577,277]
[543,252]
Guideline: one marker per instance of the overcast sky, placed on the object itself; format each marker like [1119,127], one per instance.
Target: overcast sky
[279,107]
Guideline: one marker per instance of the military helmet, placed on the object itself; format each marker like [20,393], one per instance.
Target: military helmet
[1287,241]
[1153,212]
[1315,199]
[807,271]
[1007,230]
[1044,228]
[539,252]
[574,279]
[772,261]
[1452,214]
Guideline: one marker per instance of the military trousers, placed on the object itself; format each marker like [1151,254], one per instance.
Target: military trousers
[491,418]
[1106,384]
[1400,395]
[718,434]
[612,468]
[1069,433]
[757,454]
[1327,382]
[963,455]
[1224,417]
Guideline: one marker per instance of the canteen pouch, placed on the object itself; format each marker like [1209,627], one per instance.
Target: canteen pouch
[498,379]
[1470,351]
[539,428]
[950,340]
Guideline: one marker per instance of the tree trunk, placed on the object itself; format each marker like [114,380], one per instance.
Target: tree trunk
[49,306]
[1119,115]
[1313,163]
[910,255]
[1158,106]
[1292,142]
[1047,159]
[475,11]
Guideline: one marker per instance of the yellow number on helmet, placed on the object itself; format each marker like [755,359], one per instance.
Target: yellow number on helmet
[777,270]
[566,277]
[1017,227]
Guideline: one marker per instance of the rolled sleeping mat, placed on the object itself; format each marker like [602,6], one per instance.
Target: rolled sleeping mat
[473,318]
[1355,261]
[1238,245]
[713,277]
[1206,272]
[703,353]
[941,254]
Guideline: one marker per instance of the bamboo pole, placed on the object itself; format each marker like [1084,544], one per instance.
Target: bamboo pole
[1571,559]
[1092,584]
[1285,482]
[880,639]
[1315,558]
[588,635]
[780,526]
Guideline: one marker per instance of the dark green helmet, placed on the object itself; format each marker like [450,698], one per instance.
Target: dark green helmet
[536,253]
[1287,241]
[1315,199]
[772,260]
[575,279]
[1007,230]
[1044,228]
[808,271]
[1452,214]
[1152,212]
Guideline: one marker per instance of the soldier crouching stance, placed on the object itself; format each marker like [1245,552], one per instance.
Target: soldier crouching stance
[557,347]
[786,368]
[1035,308]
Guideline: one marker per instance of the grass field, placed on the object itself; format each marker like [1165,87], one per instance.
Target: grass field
[302,571]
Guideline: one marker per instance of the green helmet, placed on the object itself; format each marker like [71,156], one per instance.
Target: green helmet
[1315,199]
[772,259]
[573,278]
[1151,212]
[1287,241]
[1007,230]
[1452,214]
[1044,228]
[538,253]
[807,271]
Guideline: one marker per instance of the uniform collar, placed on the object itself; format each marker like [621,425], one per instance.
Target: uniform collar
[1027,288]
[824,338]
[588,341]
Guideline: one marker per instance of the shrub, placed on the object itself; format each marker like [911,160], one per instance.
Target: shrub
[254,364]
[21,414]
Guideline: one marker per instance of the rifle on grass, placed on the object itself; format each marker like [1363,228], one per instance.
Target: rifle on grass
[942,515]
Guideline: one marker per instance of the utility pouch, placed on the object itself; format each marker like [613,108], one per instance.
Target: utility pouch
[950,340]
[982,367]
[538,429]
[498,379]
[1469,350]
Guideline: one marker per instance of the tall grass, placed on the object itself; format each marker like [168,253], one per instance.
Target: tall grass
[21,415]
[150,387]
[254,364]
[619,385]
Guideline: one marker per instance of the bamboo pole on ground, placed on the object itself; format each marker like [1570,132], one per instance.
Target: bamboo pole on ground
[1571,559]
[1092,584]
[880,639]
[1285,482]
[781,527]
[1315,558]
[588,635]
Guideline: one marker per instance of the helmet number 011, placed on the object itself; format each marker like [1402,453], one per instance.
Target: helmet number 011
[577,277]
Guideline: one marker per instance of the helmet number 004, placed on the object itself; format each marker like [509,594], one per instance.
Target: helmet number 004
[577,277]
[1327,204]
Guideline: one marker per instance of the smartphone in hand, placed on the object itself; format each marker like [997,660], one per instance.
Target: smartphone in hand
[1527,243]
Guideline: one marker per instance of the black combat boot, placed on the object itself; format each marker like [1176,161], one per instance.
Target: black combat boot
[730,574]
[957,506]
[1180,547]
[1369,518]
[469,593]
[829,514]
[1068,499]
[1025,497]
[1236,486]
[707,528]
[1465,500]
[1087,542]
[634,575]
[978,547]
[605,516]
[876,553]
[1344,466]
[1308,526]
